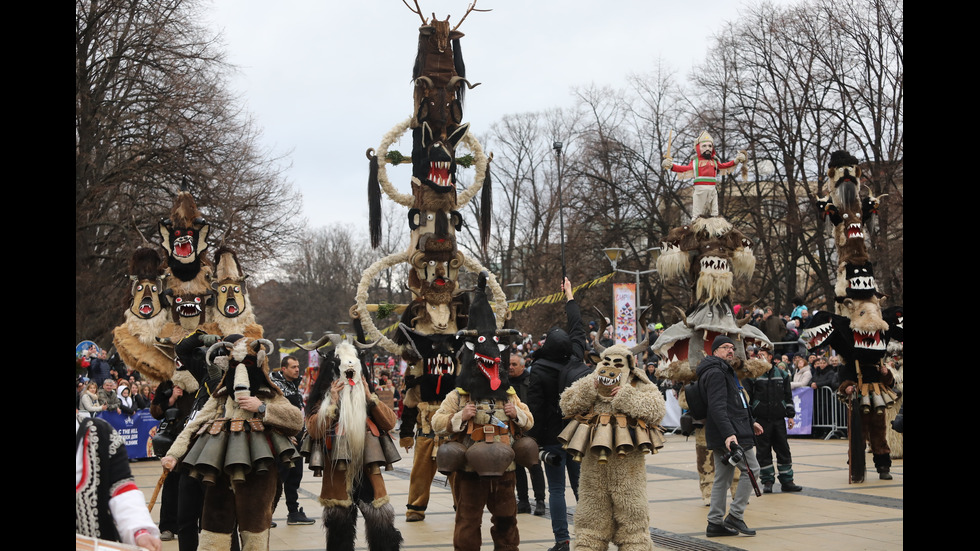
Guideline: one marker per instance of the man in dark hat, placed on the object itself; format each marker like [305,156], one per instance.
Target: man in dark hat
[729,425]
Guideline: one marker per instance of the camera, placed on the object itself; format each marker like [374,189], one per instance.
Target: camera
[735,455]
[549,458]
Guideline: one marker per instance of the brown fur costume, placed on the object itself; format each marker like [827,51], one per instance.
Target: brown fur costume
[353,430]
[243,495]
[612,503]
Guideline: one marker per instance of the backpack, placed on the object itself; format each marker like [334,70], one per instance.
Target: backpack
[697,402]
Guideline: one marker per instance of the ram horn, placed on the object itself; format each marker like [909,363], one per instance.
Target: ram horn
[646,340]
[269,347]
[214,347]
[602,329]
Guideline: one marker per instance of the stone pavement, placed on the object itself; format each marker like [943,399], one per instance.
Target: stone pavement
[828,514]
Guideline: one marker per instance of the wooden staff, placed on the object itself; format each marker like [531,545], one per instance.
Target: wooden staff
[156,491]
[670,139]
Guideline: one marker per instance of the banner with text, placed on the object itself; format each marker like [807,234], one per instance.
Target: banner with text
[624,302]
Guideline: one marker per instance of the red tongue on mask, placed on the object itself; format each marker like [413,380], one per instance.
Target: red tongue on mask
[183,249]
[493,375]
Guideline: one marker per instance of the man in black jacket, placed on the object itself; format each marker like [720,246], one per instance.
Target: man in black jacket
[772,406]
[290,476]
[729,423]
[520,381]
[557,364]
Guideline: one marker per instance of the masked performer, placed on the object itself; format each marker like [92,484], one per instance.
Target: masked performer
[232,445]
[620,408]
[352,425]
[482,415]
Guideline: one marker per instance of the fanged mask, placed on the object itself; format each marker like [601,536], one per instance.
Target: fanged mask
[231,299]
[188,310]
[147,302]
[486,352]
[608,377]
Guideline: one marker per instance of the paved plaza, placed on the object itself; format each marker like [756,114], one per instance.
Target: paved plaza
[828,514]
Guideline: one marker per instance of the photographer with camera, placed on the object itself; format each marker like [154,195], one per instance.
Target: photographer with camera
[730,432]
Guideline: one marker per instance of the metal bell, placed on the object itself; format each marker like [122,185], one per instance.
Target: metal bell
[622,437]
[489,458]
[643,442]
[565,436]
[451,457]
[602,439]
[390,451]
[212,458]
[282,447]
[340,453]
[889,396]
[657,438]
[260,452]
[373,454]
[238,460]
[865,403]
[579,444]
[878,403]
[192,455]
[317,457]
[306,448]
[526,452]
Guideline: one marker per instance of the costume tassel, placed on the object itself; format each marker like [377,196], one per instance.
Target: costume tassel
[374,199]
[486,209]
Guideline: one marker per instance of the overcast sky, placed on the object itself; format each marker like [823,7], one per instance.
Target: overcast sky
[325,80]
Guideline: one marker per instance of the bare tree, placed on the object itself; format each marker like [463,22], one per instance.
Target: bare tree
[151,108]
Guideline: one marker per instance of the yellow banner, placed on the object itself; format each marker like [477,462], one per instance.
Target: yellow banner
[548,299]
[551,299]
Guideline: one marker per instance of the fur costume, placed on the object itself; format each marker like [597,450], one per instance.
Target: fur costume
[896,440]
[352,430]
[135,338]
[612,504]
[183,283]
[859,330]
[484,444]
[704,169]
[234,451]
[230,313]
[430,379]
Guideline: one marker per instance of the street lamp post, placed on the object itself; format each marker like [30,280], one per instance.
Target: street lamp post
[614,255]
[561,217]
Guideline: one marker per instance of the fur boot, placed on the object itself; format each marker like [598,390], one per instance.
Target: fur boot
[340,525]
[379,525]
[255,541]
[214,540]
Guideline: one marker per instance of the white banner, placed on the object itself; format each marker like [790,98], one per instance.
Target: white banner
[624,302]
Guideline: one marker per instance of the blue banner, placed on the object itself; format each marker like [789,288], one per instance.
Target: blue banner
[136,431]
[803,402]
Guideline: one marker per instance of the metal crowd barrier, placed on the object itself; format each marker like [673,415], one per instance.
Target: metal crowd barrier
[829,412]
